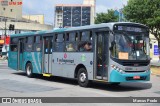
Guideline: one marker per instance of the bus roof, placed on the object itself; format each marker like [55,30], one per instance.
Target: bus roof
[109,25]
[103,25]
[38,32]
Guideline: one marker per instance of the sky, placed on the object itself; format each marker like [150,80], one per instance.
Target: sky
[46,7]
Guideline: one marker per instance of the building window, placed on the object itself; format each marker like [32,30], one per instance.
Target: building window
[4,9]
[11,0]
[11,10]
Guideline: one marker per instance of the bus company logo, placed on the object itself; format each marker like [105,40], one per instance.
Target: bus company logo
[65,55]
[6,100]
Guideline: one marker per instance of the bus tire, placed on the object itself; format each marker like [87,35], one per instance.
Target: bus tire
[29,70]
[83,78]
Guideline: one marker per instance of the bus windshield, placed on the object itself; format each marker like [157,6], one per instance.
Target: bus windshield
[131,46]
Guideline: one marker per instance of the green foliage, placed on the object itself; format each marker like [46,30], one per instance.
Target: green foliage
[106,17]
[146,12]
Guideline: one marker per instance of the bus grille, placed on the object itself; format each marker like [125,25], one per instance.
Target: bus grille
[131,78]
[135,64]
[135,71]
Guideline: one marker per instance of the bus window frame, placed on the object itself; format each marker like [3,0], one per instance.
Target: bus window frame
[37,43]
[14,44]
[14,38]
[27,43]
[91,41]
[75,43]
[55,42]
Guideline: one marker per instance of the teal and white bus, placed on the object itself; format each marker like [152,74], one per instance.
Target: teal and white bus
[109,52]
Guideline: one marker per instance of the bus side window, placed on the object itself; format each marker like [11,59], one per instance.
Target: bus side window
[13,45]
[85,36]
[59,42]
[29,43]
[71,44]
[13,48]
[37,43]
[85,44]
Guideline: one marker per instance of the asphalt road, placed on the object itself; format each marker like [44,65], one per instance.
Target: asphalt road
[17,84]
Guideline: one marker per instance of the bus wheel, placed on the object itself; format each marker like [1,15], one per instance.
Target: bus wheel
[83,77]
[29,70]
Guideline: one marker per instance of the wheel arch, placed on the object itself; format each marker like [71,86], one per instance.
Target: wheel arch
[77,68]
[27,63]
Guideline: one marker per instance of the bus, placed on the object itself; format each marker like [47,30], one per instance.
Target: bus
[109,52]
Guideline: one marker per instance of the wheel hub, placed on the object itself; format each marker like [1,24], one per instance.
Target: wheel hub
[28,70]
[82,77]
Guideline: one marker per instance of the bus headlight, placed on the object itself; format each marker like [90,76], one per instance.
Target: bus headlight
[117,69]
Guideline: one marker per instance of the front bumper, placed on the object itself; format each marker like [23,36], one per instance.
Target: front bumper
[116,76]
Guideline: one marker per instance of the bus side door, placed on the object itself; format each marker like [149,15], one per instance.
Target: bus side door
[48,45]
[20,54]
[102,55]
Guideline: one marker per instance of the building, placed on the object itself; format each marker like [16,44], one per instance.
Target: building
[36,18]
[11,14]
[120,15]
[93,8]
[21,26]
[154,53]
[8,8]
[72,15]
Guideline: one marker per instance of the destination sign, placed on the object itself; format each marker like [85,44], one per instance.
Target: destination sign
[130,28]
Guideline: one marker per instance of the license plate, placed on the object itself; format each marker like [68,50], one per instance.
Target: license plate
[136,77]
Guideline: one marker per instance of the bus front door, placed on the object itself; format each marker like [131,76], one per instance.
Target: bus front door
[101,72]
[20,54]
[48,42]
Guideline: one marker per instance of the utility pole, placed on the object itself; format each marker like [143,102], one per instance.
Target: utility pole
[5,27]
[5,32]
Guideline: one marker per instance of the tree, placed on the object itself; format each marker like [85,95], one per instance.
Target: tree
[146,12]
[106,17]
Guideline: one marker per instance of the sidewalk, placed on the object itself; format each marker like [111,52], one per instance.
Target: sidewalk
[155,62]
[155,67]
[155,70]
